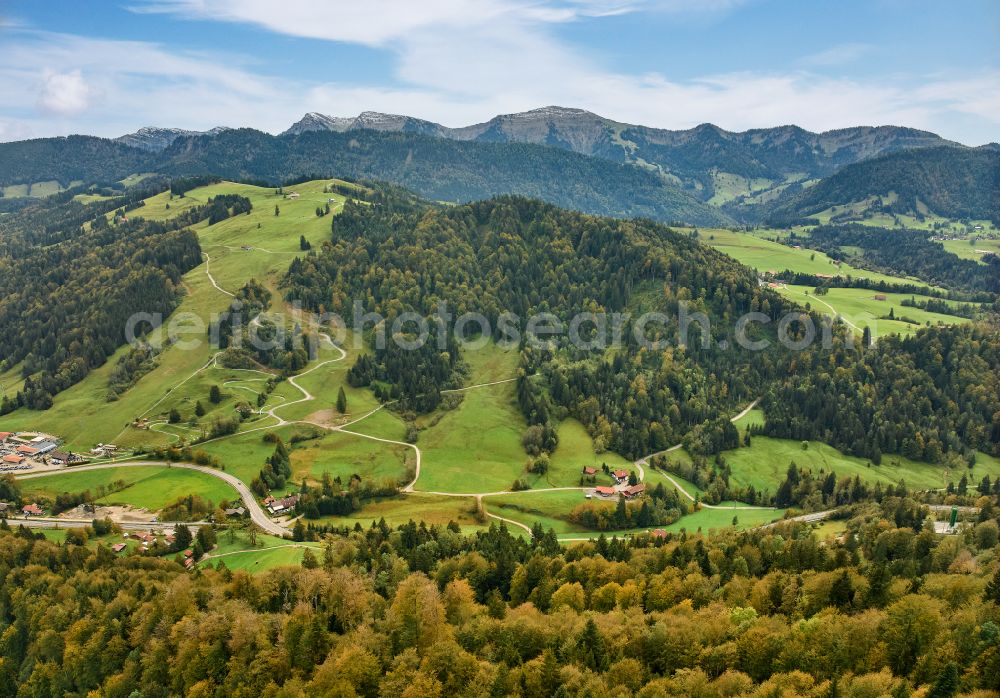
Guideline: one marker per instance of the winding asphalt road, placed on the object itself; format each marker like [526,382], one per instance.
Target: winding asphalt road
[257,514]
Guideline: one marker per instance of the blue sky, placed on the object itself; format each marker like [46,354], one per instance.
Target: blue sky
[109,68]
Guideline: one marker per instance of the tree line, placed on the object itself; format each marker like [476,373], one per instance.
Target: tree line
[886,608]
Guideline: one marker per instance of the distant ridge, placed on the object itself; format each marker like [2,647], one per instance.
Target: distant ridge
[156,138]
[693,156]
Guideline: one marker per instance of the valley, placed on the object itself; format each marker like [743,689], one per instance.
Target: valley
[499,349]
[462,461]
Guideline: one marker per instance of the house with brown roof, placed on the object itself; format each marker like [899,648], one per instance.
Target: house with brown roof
[118,547]
[4,435]
[280,506]
[634,491]
[13,459]
[588,470]
[620,475]
[32,510]
[26,450]
[60,457]
[659,533]
[603,491]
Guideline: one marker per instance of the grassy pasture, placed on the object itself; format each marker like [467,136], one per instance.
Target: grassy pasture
[431,509]
[550,509]
[860,307]
[764,463]
[475,447]
[147,487]
[576,450]
[82,416]
[965,250]
[766,255]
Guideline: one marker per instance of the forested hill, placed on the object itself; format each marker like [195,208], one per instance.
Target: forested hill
[444,170]
[906,253]
[950,182]
[436,168]
[70,278]
[66,160]
[513,254]
[524,257]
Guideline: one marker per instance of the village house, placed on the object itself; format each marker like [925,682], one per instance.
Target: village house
[147,539]
[880,296]
[32,510]
[589,471]
[60,458]
[235,512]
[280,506]
[13,459]
[118,547]
[603,491]
[634,491]
[4,435]
[26,450]
[620,475]
[659,533]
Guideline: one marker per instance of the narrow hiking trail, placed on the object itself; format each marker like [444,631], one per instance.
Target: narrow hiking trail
[306,396]
[836,313]
[208,272]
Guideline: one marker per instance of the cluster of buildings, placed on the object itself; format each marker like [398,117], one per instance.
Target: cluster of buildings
[148,540]
[27,510]
[620,486]
[280,506]
[104,450]
[22,450]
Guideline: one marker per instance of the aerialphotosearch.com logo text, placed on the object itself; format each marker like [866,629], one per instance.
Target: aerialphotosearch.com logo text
[411,331]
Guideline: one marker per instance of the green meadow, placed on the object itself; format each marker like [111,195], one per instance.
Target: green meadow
[862,308]
[550,509]
[766,255]
[764,463]
[82,416]
[233,549]
[976,249]
[147,487]
[417,506]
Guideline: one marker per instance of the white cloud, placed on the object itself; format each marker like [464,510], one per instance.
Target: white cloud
[65,94]
[456,63]
[459,61]
[371,23]
[112,87]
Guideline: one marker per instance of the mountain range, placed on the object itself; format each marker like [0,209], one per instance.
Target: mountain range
[570,157]
[695,158]
[772,152]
